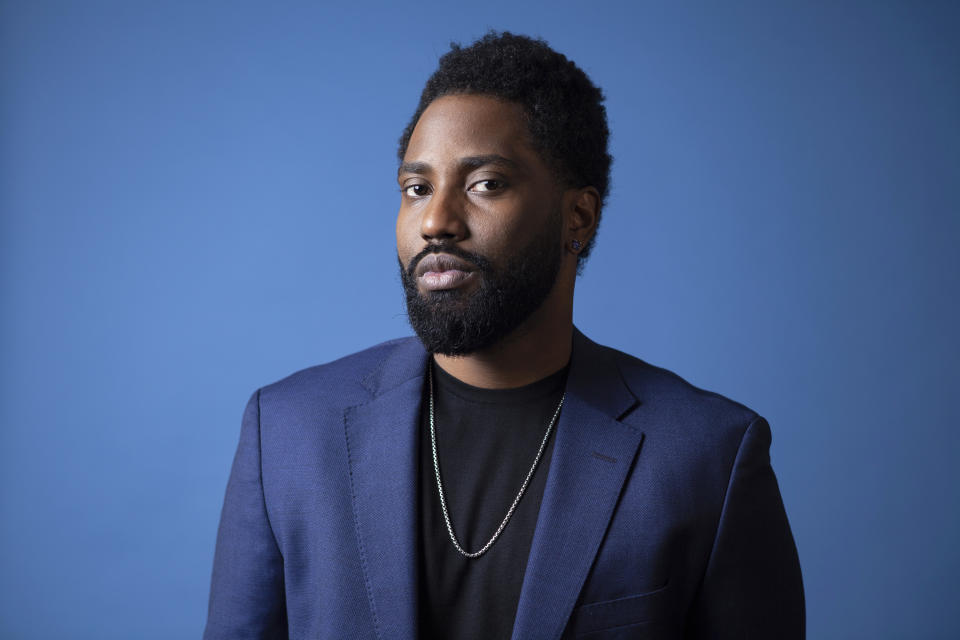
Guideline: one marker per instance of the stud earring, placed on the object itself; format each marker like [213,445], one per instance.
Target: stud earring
[576,245]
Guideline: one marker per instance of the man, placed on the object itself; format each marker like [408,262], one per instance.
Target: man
[502,475]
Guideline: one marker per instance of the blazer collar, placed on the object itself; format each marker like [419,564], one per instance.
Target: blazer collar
[596,380]
[406,361]
[592,455]
[382,453]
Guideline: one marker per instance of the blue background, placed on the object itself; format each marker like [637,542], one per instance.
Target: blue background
[198,199]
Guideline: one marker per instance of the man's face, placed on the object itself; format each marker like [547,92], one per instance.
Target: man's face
[479,229]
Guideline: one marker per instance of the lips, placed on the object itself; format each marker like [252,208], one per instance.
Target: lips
[440,271]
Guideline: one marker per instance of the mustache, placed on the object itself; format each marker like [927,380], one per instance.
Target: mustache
[481,263]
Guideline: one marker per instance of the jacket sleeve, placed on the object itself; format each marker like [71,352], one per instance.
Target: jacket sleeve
[752,587]
[246,592]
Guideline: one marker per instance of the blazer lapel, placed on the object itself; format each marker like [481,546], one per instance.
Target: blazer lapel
[592,456]
[381,437]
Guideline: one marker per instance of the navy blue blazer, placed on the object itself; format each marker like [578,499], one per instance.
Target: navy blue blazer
[661,516]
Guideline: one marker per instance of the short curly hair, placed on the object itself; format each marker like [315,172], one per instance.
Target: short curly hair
[564,109]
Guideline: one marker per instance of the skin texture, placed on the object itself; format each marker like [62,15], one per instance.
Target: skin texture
[456,189]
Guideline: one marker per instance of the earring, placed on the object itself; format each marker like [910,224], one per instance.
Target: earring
[576,245]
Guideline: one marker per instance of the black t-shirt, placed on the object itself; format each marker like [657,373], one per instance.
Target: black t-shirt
[487,440]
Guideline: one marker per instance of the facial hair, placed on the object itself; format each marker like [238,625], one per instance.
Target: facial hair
[456,323]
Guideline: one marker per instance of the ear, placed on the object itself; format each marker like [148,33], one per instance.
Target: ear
[583,214]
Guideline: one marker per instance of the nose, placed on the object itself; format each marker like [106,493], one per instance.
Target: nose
[443,217]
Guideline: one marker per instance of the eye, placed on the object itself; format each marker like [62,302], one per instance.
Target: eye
[486,186]
[416,190]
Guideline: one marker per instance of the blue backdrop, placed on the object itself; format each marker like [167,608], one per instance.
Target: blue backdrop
[199,198]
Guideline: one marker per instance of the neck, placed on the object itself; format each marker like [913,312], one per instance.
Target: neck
[534,350]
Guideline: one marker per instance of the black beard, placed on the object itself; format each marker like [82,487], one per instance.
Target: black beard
[453,323]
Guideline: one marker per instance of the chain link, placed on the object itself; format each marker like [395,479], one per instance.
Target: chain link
[516,501]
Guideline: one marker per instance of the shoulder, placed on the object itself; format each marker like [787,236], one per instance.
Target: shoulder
[663,388]
[692,437]
[340,382]
[670,407]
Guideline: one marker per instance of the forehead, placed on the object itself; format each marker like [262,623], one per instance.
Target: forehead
[469,125]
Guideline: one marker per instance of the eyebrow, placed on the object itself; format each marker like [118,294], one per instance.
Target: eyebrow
[467,162]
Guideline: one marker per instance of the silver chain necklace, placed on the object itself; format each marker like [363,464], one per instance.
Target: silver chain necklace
[516,501]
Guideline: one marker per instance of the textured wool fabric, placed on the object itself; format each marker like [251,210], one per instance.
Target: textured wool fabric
[660,518]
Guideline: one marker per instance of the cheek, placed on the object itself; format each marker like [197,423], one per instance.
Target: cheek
[497,240]
[404,225]
[408,236]
[503,234]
